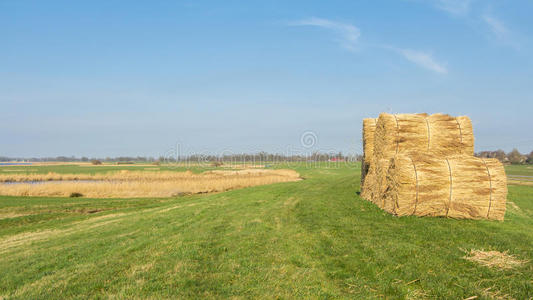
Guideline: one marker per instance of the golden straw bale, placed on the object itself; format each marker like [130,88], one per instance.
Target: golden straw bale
[381,167]
[368,184]
[466,134]
[369,127]
[457,186]
[374,184]
[413,133]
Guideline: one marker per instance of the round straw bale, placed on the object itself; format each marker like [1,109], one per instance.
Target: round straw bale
[369,128]
[414,133]
[457,186]
[374,184]
[368,184]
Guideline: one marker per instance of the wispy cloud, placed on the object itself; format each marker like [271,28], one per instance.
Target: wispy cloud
[454,7]
[462,8]
[496,26]
[349,38]
[500,31]
[348,34]
[424,60]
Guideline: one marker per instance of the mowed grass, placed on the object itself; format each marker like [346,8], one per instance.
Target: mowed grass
[314,238]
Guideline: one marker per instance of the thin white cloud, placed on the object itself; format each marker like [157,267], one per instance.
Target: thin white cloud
[424,60]
[454,7]
[496,26]
[500,31]
[349,34]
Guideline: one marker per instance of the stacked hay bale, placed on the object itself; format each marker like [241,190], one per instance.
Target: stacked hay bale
[369,128]
[374,183]
[421,133]
[459,186]
[424,165]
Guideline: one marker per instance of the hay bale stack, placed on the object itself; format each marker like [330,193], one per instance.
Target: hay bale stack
[369,128]
[439,134]
[458,186]
[414,133]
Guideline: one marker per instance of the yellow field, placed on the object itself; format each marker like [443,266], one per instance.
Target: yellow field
[125,184]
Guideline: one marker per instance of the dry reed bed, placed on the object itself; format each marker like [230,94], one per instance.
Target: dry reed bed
[125,175]
[459,186]
[127,184]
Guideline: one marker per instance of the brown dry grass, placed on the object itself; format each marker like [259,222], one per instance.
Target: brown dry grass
[494,259]
[518,182]
[126,184]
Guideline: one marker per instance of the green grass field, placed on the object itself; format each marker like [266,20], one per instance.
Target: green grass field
[526,170]
[310,239]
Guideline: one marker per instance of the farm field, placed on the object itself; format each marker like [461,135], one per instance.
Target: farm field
[314,238]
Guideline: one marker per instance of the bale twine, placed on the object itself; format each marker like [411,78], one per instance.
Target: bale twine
[414,133]
[458,186]
[369,128]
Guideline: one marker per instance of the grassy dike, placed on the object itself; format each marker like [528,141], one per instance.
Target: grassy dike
[310,239]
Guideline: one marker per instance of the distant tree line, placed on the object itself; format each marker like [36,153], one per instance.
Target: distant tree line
[253,157]
[514,157]
[270,157]
[79,159]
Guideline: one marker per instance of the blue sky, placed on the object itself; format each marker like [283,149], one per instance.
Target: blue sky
[109,78]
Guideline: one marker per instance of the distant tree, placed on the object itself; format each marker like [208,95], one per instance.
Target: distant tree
[84,159]
[498,154]
[96,162]
[529,159]
[515,157]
